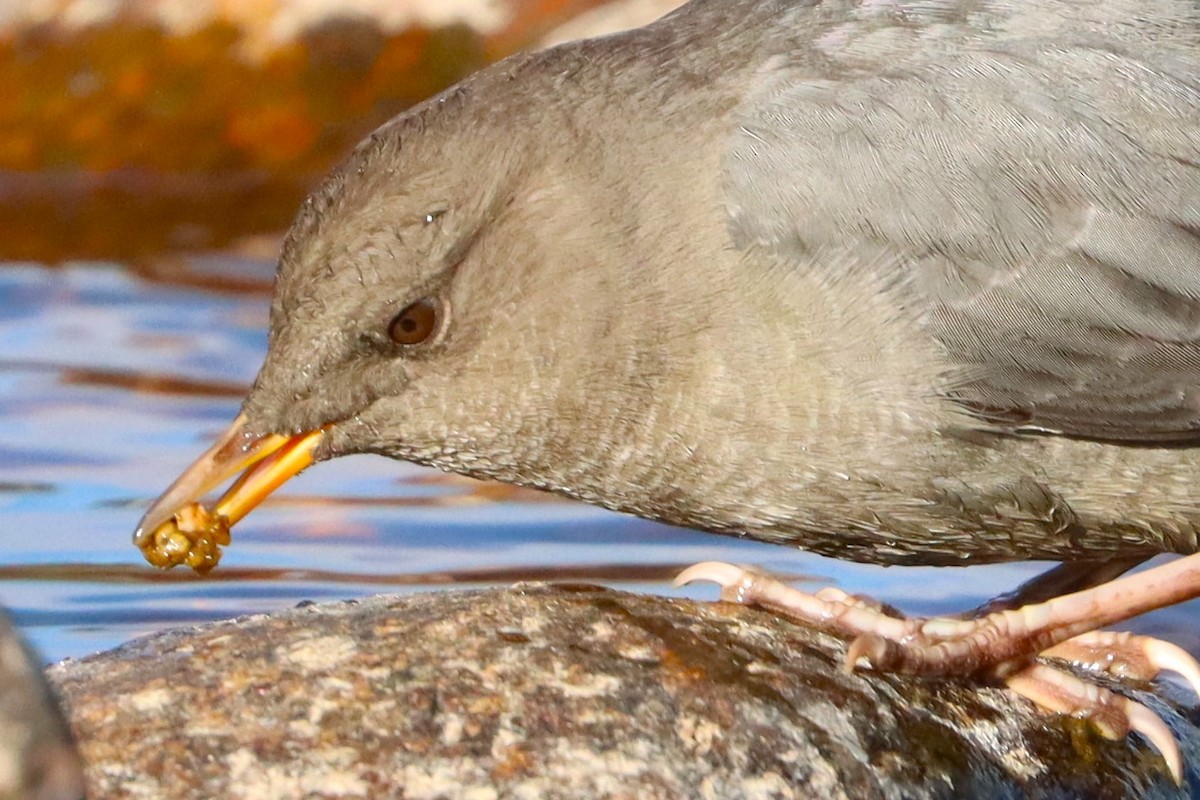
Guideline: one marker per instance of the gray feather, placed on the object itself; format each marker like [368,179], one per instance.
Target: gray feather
[1048,230]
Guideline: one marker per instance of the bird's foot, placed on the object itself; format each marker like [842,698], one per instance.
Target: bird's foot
[1001,647]
[1112,715]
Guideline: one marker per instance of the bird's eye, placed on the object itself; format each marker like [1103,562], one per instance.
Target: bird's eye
[415,323]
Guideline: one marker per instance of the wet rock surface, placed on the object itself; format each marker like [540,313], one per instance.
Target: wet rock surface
[553,691]
[37,759]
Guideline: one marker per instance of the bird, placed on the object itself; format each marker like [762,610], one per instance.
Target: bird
[892,281]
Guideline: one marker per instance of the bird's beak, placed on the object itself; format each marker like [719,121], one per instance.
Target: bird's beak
[178,530]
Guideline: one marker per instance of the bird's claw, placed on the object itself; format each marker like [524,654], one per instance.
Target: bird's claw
[999,646]
[1127,655]
[1111,714]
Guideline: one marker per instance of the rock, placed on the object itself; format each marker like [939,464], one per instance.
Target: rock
[562,691]
[37,759]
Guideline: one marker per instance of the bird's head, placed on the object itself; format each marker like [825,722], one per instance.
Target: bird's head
[416,314]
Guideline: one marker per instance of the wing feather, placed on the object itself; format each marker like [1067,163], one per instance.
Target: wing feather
[1043,195]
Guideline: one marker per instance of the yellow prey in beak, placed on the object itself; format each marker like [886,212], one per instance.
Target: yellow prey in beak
[177,529]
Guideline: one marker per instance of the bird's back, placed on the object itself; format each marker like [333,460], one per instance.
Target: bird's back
[1000,201]
[1035,167]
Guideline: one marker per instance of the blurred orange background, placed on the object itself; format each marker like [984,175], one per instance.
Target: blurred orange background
[129,128]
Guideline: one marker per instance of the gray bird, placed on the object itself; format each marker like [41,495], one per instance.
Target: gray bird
[898,282]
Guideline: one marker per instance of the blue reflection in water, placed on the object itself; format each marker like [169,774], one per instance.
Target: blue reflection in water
[109,386]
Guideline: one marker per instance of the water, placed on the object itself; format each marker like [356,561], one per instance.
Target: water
[110,385]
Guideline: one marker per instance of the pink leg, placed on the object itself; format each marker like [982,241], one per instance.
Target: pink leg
[988,644]
[1003,645]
